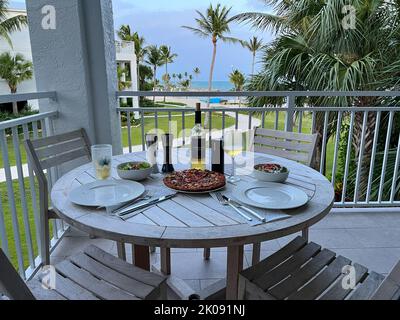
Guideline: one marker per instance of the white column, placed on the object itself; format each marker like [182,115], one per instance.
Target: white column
[77,59]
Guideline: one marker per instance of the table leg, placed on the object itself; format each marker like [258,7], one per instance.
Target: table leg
[165,255]
[121,250]
[141,256]
[234,266]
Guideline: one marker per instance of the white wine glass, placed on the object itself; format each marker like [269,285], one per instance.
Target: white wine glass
[233,146]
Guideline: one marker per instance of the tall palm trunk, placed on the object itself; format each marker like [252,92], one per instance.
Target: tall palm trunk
[154,81]
[253,64]
[210,79]
[166,72]
[14,104]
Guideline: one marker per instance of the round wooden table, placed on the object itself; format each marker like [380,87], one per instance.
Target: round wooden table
[193,221]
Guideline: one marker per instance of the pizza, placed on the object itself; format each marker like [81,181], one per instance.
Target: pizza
[195,180]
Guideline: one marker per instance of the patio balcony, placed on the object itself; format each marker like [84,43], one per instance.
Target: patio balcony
[80,92]
[363,228]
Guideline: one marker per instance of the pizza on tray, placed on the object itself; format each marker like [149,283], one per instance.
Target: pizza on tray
[194,180]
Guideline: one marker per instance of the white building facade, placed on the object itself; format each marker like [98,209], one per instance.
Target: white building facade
[21,43]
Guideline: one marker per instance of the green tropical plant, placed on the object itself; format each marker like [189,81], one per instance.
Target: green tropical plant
[146,74]
[14,70]
[168,57]
[314,51]
[155,59]
[10,24]
[237,79]
[122,82]
[214,24]
[254,45]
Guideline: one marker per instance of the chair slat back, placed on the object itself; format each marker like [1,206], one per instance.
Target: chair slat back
[299,147]
[55,150]
[11,283]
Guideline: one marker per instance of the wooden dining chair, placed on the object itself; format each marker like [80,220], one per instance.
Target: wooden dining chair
[305,271]
[90,275]
[294,146]
[45,154]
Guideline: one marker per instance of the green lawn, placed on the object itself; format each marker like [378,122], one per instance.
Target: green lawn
[8,220]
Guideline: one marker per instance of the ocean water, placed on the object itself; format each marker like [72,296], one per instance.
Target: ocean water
[217,85]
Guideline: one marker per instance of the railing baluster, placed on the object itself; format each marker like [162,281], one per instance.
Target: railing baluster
[169,122]
[32,188]
[324,143]
[183,129]
[237,120]
[360,157]
[348,155]
[337,140]
[300,122]
[210,128]
[263,120]
[395,172]
[250,120]
[128,119]
[276,126]
[11,201]
[142,129]
[313,122]
[223,122]
[3,234]
[156,119]
[49,177]
[22,193]
[385,156]
[373,155]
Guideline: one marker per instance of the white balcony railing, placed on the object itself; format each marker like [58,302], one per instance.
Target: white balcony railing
[366,178]
[19,209]
[360,158]
[125,47]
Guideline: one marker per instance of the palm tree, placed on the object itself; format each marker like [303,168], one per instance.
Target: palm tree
[196,71]
[313,51]
[14,70]
[125,34]
[237,79]
[254,45]
[167,56]
[155,59]
[214,24]
[9,25]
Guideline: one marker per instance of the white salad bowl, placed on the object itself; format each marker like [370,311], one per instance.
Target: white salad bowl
[136,175]
[278,177]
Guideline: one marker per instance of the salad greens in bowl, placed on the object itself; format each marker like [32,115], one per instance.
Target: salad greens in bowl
[270,172]
[134,170]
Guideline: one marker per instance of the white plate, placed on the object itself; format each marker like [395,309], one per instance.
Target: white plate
[106,193]
[270,195]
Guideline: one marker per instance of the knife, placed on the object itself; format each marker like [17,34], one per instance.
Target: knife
[146,204]
[252,212]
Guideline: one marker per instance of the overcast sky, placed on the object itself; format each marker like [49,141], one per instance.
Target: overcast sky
[160,21]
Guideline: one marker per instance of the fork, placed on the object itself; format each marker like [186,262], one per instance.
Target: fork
[224,202]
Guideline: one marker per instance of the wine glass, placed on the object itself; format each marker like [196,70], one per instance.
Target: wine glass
[233,146]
